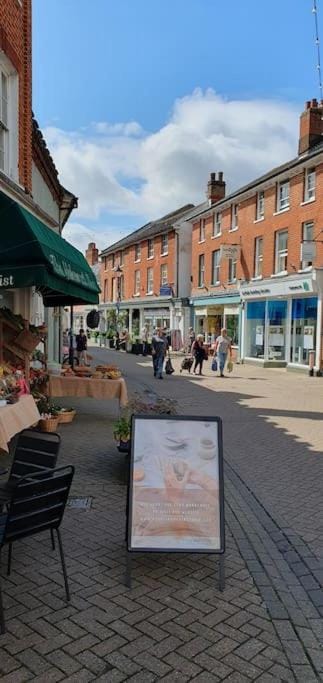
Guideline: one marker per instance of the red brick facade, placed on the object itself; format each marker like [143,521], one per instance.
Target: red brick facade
[15,42]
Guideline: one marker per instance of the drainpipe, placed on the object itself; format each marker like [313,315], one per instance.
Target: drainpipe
[71,350]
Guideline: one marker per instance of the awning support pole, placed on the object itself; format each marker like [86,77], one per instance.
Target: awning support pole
[71,351]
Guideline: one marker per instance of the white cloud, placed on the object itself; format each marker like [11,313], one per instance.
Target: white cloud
[80,235]
[121,169]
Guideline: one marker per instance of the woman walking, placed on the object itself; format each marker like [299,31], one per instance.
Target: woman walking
[222,348]
[198,353]
[159,350]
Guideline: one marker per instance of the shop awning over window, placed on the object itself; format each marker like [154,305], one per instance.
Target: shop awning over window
[31,254]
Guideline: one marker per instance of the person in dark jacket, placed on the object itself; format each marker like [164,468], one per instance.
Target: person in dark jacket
[198,353]
[159,349]
[81,347]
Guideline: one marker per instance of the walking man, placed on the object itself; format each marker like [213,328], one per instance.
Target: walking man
[159,350]
[222,349]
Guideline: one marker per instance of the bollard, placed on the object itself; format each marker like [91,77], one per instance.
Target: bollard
[311,361]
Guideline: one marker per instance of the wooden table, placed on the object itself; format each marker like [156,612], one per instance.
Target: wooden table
[88,387]
[16,417]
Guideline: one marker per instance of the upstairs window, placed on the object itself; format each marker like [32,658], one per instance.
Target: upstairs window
[150,248]
[216,255]
[202,230]
[217,224]
[308,236]
[260,212]
[150,280]
[234,217]
[232,269]
[283,196]
[121,258]
[137,282]
[281,251]
[164,274]
[112,260]
[164,245]
[258,256]
[201,270]
[309,185]
[137,252]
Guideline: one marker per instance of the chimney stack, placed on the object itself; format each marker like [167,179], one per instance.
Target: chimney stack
[311,125]
[215,188]
[92,254]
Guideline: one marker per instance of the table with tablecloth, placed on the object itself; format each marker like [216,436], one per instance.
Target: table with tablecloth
[88,387]
[16,417]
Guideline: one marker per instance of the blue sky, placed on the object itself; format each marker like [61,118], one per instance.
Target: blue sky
[140,100]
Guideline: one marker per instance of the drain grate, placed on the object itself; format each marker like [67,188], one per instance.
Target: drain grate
[80,503]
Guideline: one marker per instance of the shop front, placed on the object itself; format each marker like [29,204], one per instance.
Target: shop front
[281,322]
[213,313]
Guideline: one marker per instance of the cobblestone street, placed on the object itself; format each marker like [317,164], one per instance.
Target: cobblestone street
[174,624]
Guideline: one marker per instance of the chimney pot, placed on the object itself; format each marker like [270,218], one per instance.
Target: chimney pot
[220,177]
[308,104]
[212,177]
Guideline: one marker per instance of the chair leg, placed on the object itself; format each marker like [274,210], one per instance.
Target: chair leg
[60,545]
[2,623]
[9,559]
[53,538]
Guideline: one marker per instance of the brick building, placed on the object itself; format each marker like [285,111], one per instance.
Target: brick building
[146,275]
[257,259]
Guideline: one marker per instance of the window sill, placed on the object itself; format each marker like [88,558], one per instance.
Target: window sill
[200,286]
[258,220]
[165,254]
[214,237]
[308,201]
[234,229]
[216,284]
[149,258]
[136,294]
[282,273]
[257,277]
[308,269]
[201,241]
[149,293]
[277,213]
[138,260]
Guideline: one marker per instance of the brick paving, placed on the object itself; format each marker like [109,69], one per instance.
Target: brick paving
[174,624]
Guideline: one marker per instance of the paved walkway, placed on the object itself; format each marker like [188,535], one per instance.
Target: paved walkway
[174,625]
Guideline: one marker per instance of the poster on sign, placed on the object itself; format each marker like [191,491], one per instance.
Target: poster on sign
[276,335]
[308,341]
[176,485]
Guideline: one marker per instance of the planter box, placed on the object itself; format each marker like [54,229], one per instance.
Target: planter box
[124,446]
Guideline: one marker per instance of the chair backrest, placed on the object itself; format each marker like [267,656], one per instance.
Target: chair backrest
[37,503]
[34,451]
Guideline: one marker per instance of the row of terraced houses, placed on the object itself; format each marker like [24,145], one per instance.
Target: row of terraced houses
[251,261]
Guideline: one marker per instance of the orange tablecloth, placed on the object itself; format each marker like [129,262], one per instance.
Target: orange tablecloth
[15,417]
[88,387]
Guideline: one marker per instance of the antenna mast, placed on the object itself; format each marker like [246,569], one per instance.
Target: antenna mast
[317,42]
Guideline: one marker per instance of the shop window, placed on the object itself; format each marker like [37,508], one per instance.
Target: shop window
[216,256]
[150,248]
[232,270]
[258,256]
[234,217]
[260,211]
[232,327]
[137,252]
[283,196]
[309,185]
[137,282]
[150,280]
[277,323]
[202,230]
[303,329]
[164,245]
[255,329]
[308,236]
[163,274]
[281,251]
[201,270]
[217,224]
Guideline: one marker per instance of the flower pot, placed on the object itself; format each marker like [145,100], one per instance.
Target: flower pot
[124,446]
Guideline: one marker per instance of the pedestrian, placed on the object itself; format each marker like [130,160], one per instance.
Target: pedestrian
[222,349]
[191,338]
[144,338]
[159,350]
[81,347]
[198,353]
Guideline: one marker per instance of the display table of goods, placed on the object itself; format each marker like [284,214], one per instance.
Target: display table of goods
[105,383]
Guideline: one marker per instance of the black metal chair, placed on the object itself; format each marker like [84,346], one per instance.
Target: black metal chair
[37,504]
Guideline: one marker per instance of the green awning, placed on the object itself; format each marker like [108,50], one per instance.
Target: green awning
[31,254]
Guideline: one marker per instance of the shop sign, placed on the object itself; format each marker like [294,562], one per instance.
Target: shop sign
[286,288]
[230,251]
[165,290]
[202,312]
[176,497]
[7,281]
[215,310]
[64,270]
[308,251]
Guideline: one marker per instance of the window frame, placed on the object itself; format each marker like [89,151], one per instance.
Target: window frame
[259,257]
[306,224]
[234,217]
[137,282]
[260,205]
[137,252]
[202,230]
[232,270]
[201,270]
[279,253]
[216,281]
[309,172]
[163,250]
[217,224]
[163,268]
[150,281]
[150,248]
[283,204]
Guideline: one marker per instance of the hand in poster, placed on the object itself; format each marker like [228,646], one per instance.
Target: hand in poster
[178,474]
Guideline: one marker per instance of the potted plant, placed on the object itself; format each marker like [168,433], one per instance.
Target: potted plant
[138,406]
[110,338]
[96,336]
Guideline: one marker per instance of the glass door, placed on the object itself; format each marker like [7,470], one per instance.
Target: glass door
[303,331]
